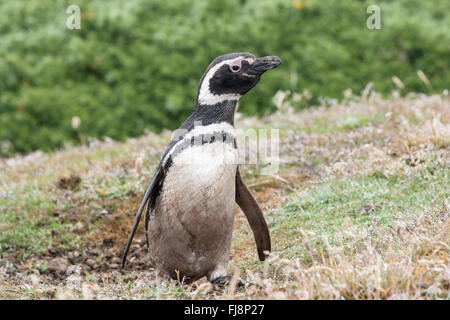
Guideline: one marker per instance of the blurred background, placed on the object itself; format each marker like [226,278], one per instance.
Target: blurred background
[135,65]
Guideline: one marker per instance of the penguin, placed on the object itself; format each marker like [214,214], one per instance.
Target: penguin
[189,205]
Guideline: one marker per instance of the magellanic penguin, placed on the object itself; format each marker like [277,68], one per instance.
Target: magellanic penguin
[190,201]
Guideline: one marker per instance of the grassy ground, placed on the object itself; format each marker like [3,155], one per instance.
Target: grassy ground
[358,210]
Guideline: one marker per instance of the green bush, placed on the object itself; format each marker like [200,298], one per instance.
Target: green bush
[135,64]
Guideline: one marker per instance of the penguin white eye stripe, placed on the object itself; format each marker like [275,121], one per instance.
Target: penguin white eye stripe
[206,96]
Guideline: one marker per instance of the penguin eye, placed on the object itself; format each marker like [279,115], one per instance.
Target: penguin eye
[235,67]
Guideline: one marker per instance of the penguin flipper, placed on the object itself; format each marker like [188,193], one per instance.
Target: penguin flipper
[255,216]
[149,198]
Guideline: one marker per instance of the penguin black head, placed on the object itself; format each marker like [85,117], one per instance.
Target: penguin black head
[231,76]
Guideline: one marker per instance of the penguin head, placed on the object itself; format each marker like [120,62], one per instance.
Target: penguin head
[230,76]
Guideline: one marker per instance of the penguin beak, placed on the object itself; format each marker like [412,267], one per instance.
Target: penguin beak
[263,64]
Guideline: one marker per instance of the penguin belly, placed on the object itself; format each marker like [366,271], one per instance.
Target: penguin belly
[191,227]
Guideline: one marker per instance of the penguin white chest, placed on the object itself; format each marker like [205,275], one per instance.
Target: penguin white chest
[205,176]
[194,216]
[207,165]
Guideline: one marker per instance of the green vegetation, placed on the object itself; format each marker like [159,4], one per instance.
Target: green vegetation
[135,64]
[371,203]
[356,211]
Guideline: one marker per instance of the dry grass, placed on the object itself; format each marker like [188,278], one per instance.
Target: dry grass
[359,209]
[411,262]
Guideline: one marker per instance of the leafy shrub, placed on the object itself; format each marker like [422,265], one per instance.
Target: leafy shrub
[135,64]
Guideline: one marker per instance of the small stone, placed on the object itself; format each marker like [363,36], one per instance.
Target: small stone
[114,266]
[116,260]
[135,247]
[141,242]
[368,208]
[58,264]
[34,279]
[73,270]
[78,227]
[91,263]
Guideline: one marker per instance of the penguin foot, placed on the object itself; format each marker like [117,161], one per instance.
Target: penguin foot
[225,280]
[222,280]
